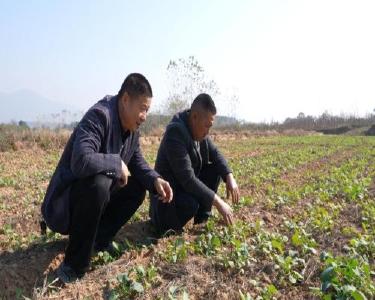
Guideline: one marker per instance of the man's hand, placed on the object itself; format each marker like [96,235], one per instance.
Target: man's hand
[124,175]
[232,188]
[224,209]
[164,190]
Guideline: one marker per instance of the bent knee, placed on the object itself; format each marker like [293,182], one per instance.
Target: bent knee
[187,204]
[100,184]
[136,189]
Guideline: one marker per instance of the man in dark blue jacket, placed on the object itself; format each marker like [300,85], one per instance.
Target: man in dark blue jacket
[192,164]
[102,176]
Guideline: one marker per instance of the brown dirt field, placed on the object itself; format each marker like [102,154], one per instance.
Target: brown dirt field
[27,267]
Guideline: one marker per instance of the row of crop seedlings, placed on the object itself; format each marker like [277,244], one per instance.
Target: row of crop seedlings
[313,184]
[345,181]
[352,274]
[243,247]
[258,171]
[349,276]
[261,170]
[282,192]
[231,249]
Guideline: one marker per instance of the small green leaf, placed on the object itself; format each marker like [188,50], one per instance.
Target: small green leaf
[328,274]
[296,240]
[215,242]
[138,287]
[327,297]
[292,279]
[358,295]
[277,245]
[271,289]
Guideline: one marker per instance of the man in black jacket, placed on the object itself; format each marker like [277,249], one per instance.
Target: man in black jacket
[91,195]
[193,165]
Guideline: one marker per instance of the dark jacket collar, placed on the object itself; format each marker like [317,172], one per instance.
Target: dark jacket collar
[183,118]
[116,123]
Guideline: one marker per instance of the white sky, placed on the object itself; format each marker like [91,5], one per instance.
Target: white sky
[279,57]
[308,56]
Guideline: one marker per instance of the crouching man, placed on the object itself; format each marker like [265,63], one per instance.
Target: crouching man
[193,166]
[102,176]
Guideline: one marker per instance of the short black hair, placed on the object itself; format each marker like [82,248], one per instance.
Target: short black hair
[204,102]
[136,84]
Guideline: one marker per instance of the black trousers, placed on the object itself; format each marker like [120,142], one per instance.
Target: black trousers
[97,214]
[176,214]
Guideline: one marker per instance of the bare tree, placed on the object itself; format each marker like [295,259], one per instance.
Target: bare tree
[187,79]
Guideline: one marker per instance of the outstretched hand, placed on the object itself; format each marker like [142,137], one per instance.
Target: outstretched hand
[164,190]
[224,209]
[124,174]
[232,188]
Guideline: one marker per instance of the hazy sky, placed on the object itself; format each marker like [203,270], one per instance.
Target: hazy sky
[279,57]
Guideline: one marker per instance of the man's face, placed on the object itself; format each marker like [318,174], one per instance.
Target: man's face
[201,124]
[134,111]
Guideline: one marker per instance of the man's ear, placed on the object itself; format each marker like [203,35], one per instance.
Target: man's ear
[125,98]
[194,115]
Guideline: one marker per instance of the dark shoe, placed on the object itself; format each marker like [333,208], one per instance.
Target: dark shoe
[200,220]
[202,217]
[67,274]
[107,247]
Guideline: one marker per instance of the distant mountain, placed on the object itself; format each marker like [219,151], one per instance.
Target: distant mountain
[29,106]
